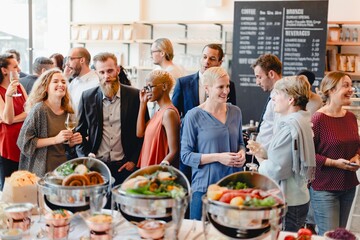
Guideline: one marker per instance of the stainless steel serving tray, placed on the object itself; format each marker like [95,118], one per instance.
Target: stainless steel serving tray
[246,222]
[75,197]
[137,207]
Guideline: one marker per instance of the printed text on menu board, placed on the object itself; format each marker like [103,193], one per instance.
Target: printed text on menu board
[294,31]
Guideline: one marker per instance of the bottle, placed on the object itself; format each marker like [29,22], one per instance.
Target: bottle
[347,34]
[342,38]
[355,35]
[252,123]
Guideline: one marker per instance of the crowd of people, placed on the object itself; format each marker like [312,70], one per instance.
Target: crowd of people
[307,142]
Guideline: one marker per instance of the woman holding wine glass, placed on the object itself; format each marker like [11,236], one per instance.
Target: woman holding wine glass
[44,133]
[212,141]
[12,115]
[290,159]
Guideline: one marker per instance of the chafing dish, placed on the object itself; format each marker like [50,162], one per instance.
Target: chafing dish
[75,198]
[136,208]
[245,222]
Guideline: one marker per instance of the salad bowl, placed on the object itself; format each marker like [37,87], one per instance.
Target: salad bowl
[168,203]
[248,221]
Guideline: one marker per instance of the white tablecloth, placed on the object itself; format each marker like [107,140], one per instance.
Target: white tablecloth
[127,231]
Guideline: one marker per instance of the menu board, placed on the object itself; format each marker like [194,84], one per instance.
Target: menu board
[295,31]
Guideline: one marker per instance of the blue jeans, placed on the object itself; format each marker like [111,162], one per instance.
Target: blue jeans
[331,208]
[295,217]
[196,205]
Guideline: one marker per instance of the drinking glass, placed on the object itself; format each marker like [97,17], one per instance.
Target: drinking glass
[14,75]
[252,166]
[70,123]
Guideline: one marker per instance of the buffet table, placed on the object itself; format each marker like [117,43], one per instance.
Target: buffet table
[190,230]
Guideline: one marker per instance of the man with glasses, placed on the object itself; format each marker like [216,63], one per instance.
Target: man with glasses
[83,77]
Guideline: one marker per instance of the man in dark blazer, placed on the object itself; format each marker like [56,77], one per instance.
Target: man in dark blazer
[187,93]
[107,120]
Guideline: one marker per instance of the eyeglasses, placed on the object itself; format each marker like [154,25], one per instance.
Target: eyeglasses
[155,51]
[72,58]
[149,88]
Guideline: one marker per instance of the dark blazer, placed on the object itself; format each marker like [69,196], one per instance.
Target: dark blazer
[91,122]
[28,82]
[186,93]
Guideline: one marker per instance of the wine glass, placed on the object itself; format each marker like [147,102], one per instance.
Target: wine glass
[14,75]
[252,166]
[70,123]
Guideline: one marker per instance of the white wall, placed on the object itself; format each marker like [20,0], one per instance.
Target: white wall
[106,11]
[133,10]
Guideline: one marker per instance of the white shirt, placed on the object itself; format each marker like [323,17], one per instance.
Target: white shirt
[202,93]
[80,84]
[267,125]
[111,148]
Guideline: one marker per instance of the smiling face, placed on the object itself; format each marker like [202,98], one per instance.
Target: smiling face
[57,86]
[108,73]
[13,66]
[220,90]
[342,92]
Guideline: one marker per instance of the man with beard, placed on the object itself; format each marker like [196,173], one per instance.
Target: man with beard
[107,120]
[84,78]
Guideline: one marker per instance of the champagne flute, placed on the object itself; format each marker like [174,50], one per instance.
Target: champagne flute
[14,76]
[252,166]
[70,123]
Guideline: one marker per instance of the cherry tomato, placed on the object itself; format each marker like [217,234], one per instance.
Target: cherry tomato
[289,237]
[304,234]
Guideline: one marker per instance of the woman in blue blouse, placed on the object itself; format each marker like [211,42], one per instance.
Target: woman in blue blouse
[212,142]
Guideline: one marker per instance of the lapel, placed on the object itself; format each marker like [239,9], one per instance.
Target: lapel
[194,89]
[124,104]
[98,113]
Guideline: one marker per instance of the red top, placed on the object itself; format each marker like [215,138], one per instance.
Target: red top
[334,137]
[155,146]
[10,133]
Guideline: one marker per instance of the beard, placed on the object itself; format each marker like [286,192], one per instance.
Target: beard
[76,71]
[110,89]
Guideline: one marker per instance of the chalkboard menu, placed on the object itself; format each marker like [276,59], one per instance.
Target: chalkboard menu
[295,31]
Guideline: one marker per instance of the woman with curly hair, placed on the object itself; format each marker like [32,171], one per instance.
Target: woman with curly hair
[42,136]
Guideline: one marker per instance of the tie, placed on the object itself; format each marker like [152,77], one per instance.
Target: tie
[262,114]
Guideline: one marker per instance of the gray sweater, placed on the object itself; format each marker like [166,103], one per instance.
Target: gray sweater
[35,126]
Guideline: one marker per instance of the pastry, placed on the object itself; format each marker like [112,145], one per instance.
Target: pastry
[95,178]
[76,180]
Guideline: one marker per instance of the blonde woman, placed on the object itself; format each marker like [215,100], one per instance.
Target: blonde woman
[337,147]
[212,142]
[290,158]
[43,133]
[161,133]
[162,53]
